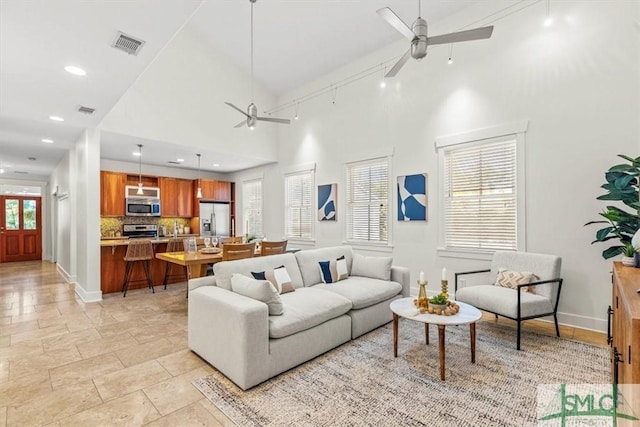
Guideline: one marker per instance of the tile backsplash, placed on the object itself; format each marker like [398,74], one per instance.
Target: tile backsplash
[112,226]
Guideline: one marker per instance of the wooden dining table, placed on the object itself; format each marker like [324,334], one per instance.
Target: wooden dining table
[195,262]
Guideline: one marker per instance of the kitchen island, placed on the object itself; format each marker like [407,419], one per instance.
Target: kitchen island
[112,265]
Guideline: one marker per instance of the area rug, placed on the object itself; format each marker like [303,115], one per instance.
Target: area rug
[361,383]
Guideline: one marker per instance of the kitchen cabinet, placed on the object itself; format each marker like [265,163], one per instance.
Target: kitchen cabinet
[176,197]
[212,191]
[112,193]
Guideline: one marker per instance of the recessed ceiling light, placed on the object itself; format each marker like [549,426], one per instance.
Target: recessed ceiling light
[56,118]
[215,165]
[75,70]
[180,160]
[1,170]
[48,141]
[135,153]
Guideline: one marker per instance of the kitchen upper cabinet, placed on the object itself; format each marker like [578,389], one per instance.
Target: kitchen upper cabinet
[176,197]
[112,193]
[212,191]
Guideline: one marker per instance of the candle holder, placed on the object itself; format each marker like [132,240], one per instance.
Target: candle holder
[445,288]
[421,301]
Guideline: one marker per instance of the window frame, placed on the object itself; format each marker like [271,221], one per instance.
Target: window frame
[261,208]
[387,245]
[478,137]
[296,171]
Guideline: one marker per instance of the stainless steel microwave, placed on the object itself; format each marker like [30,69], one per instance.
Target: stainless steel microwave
[142,207]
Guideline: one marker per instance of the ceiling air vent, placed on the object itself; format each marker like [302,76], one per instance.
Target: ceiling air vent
[172,162]
[127,43]
[21,172]
[86,110]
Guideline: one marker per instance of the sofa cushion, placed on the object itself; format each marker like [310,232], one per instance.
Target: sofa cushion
[306,308]
[261,290]
[363,291]
[279,277]
[334,270]
[497,299]
[224,270]
[374,267]
[308,261]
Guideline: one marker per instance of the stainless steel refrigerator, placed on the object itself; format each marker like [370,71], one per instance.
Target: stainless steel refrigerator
[214,219]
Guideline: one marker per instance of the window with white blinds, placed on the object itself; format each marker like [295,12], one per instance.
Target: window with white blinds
[480,195]
[252,206]
[299,211]
[368,201]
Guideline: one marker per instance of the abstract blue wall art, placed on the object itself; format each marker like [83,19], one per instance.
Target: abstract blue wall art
[327,197]
[412,197]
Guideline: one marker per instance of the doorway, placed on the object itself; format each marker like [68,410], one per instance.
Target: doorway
[20,228]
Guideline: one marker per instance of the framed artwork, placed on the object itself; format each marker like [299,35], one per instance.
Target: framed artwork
[327,198]
[412,197]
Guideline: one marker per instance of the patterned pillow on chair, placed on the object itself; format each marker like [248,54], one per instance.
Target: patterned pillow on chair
[511,279]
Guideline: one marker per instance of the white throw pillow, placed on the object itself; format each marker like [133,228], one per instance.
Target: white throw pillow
[261,290]
[372,266]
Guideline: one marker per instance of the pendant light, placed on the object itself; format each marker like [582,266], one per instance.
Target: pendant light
[140,192]
[199,192]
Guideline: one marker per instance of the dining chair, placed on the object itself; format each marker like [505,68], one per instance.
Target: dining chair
[232,239]
[174,245]
[273,248]
[231,251]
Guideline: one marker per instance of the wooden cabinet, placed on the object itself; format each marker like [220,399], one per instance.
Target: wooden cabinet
[176,197]
[625,331]
[112,193]
[212,191]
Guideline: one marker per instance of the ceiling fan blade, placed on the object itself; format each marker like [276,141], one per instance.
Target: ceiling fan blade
[393,71]
[269,119]
[397,23]
[236,108]
[462,36]
[242,123]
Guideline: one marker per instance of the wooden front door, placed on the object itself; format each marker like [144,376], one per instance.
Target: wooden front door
[20,228]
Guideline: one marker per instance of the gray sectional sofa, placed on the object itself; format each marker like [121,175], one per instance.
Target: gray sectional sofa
[236,334]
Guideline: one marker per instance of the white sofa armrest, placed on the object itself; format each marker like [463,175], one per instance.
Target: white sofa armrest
[201,281]
[231,332]
[402,276]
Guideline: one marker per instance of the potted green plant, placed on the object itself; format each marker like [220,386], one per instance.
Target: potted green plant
[621,186]
[628,255]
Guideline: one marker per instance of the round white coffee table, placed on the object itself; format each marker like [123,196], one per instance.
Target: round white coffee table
[468,314]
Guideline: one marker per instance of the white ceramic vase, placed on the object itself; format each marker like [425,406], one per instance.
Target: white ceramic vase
[629,261]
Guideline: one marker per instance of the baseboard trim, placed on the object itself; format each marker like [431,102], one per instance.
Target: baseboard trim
[88,296]
[566,319]
[67,277]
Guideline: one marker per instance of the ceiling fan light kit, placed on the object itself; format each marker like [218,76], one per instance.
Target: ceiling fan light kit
[252,111]
[420,40]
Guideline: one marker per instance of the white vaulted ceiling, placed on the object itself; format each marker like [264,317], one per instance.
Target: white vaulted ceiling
[295,43]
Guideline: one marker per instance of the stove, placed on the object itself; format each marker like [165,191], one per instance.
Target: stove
[140,231]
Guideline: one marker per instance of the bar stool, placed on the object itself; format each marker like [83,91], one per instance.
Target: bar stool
[138,250]
[174,245]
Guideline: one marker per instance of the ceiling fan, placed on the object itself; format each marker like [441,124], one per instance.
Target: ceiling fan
[252,110]
[417,33]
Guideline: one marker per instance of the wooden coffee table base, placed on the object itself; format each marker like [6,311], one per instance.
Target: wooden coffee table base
[441,345]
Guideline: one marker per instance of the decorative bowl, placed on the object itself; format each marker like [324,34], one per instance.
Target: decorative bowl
[438,306]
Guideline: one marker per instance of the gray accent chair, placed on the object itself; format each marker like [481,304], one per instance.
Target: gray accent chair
[517,304]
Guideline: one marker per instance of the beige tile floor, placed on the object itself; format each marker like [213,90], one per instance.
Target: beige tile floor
[121,361]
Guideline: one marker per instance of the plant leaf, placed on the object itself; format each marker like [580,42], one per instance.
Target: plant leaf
[603,233]
[612,251]
[623,168]
[624,181]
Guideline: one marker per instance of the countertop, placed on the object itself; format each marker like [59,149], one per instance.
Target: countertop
[124,241]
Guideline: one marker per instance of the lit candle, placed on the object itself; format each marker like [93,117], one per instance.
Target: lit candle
[233,223]
[422,277]
[444,274]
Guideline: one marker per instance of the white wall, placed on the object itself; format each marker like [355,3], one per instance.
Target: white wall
[578,84]
[61,220]
[180,99]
